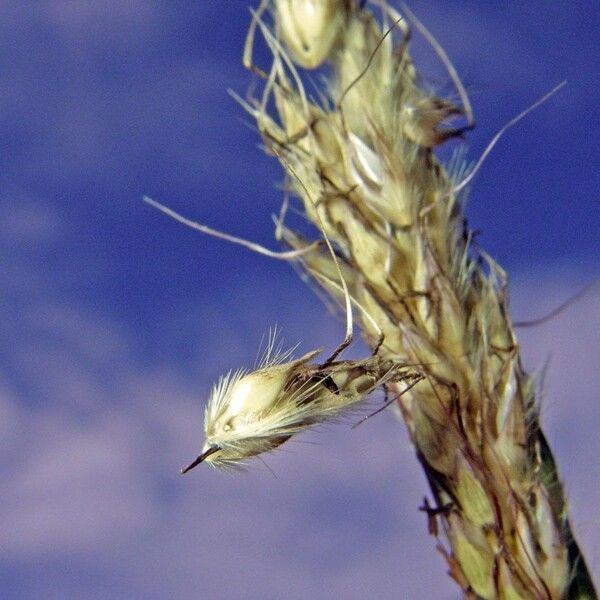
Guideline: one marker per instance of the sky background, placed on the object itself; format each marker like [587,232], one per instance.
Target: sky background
[116,320]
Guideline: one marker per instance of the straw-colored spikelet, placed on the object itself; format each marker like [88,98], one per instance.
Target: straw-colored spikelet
[361,160]
[249,413]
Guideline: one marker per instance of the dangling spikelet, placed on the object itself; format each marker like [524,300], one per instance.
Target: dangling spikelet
[250,413]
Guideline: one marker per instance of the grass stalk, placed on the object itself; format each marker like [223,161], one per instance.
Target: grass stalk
[361,159]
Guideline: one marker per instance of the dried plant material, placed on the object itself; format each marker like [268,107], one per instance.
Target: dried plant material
[360,158]
[361,161]
[310,28]
[250,413]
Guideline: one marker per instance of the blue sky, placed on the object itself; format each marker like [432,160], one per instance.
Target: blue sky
[117,319]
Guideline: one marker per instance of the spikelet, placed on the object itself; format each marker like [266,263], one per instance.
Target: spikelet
[310,28]
[361,161]
[250,413]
